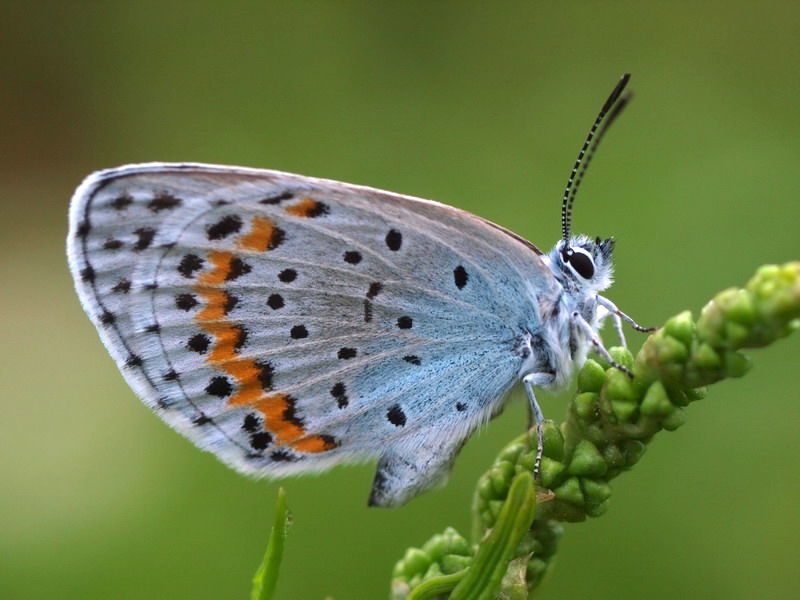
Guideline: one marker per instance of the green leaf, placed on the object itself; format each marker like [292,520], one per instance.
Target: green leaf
[483,578]
[436,587]
[266,578]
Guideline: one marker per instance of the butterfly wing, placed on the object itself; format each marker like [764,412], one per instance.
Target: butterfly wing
[287,324]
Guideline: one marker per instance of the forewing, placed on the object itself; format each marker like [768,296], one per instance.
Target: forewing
[287,323]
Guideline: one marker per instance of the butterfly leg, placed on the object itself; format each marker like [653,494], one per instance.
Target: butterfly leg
[618,328]
[579,322]
[603,314]
[619,316]
[530,381]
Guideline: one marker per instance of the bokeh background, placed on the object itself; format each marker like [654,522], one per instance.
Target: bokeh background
[482,106]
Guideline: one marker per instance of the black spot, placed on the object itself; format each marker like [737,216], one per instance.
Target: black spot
[277,238]
[122,202]
[163,202]
[112,244]
[83,229]
[186,301]
[374,290]
[319,209]
[198,343]
[299,332]
[405,322]
[352,257]
[346,353]
[163,403]
[251,423]
[275,301]
[329,441]
[265,373]
[394,239]
[461,407]
[224,227]
[150,286]
[202,420]
[278,198]
[123,286]
[461,277]
[88,274]
[220,387]
[190,264]
[287,275]
[367,311]
[230,302]
[396,416]
[221,202]
[134,360]
[145,235]
[107,318]
[171,375]
[259,441]
[414,360]
[237,268]
[154,328]
[339,392]
[290,412]
[282,456]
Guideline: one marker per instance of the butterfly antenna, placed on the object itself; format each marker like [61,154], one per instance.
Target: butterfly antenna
[623,102]
[583,160]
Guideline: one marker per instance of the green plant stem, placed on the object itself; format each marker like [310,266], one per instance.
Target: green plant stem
[484,576]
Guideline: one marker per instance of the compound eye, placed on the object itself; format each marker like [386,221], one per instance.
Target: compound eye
[582,264]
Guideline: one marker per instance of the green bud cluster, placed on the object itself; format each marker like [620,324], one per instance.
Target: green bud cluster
[687,355]
[610,420]
[444,554]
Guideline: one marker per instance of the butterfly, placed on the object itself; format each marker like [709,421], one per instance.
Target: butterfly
[287,324]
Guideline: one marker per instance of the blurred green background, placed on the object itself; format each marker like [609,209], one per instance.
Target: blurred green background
[482,106]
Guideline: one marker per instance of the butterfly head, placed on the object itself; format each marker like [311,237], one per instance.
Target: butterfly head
[583,263]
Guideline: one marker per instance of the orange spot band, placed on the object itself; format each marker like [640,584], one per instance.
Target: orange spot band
[274,409]
[222,268]
[263,236]
[314,444]
[277,409]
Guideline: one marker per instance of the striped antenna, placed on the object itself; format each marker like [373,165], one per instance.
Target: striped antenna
[579,169]
[623,102]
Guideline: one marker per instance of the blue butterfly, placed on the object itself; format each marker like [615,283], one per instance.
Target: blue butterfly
[288,324]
